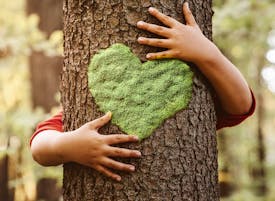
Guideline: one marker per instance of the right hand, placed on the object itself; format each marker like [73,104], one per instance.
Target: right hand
[182,41]
[94,150]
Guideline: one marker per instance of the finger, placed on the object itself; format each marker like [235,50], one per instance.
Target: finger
[107,172]
[97,123]
[156,29]
[156,42]
[122,152]
[160,55]
[110,163]
[120,138]
[189,18]
[168,21]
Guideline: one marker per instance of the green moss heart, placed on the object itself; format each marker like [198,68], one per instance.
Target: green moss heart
[139,95]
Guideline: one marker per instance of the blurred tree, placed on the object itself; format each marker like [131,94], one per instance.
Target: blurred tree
[47,190]
[6,193]
[4,190]
[45,69]
[259,171]
[225,179]
[180,159]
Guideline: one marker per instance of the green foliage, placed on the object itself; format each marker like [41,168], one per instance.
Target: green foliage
[140,96]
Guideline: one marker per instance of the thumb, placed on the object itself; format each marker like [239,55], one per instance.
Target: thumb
[189,18]
[98,123]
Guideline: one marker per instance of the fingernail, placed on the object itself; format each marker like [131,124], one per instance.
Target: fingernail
[135,138]
[132,168]
[187,4]
[138,153]
[118,178]
[140,23]
[152,9]
[109,114]
[148,56]
[141,39]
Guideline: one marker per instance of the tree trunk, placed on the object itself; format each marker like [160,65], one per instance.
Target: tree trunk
[180,158]
[259,171]
[45,70]
[4,173]
[225,177]
[47,189]
[6,192]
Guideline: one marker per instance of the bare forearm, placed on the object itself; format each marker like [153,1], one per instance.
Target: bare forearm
[229,84]
[45,148]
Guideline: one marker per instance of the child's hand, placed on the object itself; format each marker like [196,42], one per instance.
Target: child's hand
[84,146]
[87,147]
[185,42]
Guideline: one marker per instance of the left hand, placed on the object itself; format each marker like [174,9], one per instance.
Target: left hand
[185,42]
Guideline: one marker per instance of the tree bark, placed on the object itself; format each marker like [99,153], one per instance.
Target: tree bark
[45,70]
[179,159]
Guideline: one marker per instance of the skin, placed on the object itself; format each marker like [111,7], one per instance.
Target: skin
[94,150]
[182,41]
[187,42]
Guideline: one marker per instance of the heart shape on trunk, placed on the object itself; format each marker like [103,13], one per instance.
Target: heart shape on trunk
[139,95]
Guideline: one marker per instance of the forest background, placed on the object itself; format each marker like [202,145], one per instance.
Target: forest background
[243,30]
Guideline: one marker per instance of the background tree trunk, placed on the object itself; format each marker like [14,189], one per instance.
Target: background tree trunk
[45,71]
[6,192]
[225,175]
[4,177]
[47,189]
[259,170]
[180,158]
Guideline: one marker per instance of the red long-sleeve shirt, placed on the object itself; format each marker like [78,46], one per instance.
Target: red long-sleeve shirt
[223,119]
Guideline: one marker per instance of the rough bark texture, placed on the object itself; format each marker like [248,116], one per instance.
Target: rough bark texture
[180,159]
[44,70]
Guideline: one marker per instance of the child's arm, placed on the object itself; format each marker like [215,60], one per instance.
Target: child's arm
[84,146]
[186,42]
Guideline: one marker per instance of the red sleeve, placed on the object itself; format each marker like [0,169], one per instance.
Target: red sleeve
[54,123]
[227,120]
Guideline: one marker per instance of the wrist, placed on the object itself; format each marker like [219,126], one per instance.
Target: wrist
[210,56]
